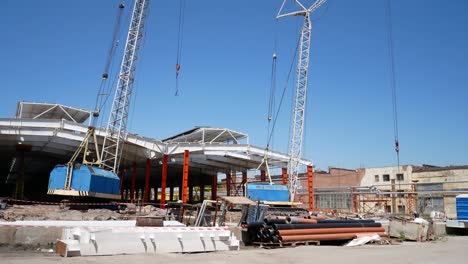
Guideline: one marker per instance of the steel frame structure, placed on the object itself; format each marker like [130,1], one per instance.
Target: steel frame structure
[118,117]
[297,126]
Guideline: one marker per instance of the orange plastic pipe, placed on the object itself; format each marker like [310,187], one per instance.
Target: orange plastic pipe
[321,237]
[293,232]
[320,217]
[324,237]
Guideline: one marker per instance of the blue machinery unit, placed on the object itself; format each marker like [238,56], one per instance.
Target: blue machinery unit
[462,207]
[266,192]
[87,181]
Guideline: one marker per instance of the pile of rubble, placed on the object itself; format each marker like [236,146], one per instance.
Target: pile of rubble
[56,212]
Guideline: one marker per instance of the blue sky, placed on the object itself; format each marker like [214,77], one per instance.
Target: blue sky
[55,51]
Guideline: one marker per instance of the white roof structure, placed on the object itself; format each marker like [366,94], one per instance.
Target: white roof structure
[212,150]
[51,111]
[207,135]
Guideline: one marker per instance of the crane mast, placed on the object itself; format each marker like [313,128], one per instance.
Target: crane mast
[117,125]
[297,126]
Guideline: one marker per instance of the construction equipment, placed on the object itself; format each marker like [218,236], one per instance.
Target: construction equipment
[297,126]
[98,178]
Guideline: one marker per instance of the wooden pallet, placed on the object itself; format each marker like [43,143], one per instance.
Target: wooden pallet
[287,244]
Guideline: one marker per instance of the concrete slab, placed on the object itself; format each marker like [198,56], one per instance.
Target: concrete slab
[407,230]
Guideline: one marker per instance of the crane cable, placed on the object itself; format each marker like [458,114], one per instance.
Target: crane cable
[180,37]
[271,101]
[391,55]
[392,77]
[275,118]
[101,97]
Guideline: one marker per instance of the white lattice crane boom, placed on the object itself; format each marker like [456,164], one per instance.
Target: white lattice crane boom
[297,126]
[118,117]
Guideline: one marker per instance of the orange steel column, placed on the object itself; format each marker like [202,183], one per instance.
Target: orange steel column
[262,176]
[147,181]
[185,177]
[244,182]
[214,187]
[284,173]
[162,203]
[228,183]
[310,180]
[132,190]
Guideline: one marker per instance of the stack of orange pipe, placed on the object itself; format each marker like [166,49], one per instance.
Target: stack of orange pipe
[323,234]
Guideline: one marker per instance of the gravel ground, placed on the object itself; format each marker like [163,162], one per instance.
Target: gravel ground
[450,250]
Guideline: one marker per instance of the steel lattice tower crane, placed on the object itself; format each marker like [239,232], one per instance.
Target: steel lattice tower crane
[297,126]
[118,117]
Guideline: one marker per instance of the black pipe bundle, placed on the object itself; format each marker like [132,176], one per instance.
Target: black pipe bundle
[267,231]
[274,221]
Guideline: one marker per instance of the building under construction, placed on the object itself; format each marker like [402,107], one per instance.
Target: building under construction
[42,135]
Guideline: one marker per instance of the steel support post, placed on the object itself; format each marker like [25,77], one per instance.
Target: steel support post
[355,202]
[214,187]
[190,192]
[234,182]
[171,191]
[185,177]
[244,182]
[132,191]
[146,192]
[228,183]
[122,183]
[202,192]
[163,183]
[262,176]
[284,174]
[310,181]
[394,211]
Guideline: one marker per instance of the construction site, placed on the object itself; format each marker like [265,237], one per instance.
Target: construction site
[78,182]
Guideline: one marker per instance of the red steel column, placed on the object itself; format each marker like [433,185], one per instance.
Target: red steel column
[284,173]
[214,187]
[228,183]
[147,182]
[310,180]
[244,182]
[185,177]
[163,182]
[132,191]
[262,176]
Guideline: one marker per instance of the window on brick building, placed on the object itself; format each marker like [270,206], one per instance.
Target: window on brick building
[401,209]
[400,177]
[388,209]
[400,193]
[386,177]
[376,178]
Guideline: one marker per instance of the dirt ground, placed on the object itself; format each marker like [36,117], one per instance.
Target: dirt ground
[449,250]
